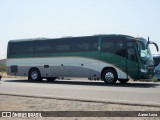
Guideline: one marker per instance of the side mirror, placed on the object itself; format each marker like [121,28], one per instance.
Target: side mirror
[150,42]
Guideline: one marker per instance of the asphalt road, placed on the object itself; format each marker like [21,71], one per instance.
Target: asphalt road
[145,93]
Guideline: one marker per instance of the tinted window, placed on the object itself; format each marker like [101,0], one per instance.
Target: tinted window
[115,45]
[43,46]
[19,48]
[41,49]
[61,45]
[131,51]
[132,54]
[85,44]
[81,44]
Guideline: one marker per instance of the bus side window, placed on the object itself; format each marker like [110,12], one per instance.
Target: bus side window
[107,46]
[114,46]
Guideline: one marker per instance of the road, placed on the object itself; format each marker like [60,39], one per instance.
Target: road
[145,93]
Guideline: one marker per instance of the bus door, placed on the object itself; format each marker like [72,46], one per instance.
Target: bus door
[132,61]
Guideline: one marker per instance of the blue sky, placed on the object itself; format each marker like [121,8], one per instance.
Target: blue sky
[58,18]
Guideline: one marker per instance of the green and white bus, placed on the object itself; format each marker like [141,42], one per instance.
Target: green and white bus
[104,57]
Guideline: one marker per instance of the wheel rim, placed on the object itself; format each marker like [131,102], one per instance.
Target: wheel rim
[109,76]
[34,75]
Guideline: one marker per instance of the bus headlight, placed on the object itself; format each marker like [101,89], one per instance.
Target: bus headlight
[144,70]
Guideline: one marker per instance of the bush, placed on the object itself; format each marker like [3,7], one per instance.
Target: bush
[2,68]
[154,79]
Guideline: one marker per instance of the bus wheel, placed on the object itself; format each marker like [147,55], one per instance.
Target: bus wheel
[109,76]
[51,79]
[123,81]
[34,75]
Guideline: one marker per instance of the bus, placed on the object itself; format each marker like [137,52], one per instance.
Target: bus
[102,57]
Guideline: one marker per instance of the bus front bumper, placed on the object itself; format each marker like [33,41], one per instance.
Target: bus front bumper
[146,75]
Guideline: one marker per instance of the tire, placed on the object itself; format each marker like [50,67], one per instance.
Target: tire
[34,75]
[51,79]
[109,76]
[123,81]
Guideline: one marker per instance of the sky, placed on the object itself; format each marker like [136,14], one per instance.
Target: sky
[21,19]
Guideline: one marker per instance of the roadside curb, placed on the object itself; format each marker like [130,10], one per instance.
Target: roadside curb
[132,103]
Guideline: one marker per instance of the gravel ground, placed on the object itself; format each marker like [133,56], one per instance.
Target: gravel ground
[16,103]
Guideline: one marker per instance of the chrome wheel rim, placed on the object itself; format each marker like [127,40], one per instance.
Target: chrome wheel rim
[109,76]
[34,75]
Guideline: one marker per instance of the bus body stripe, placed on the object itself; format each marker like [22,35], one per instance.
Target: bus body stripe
[80,63]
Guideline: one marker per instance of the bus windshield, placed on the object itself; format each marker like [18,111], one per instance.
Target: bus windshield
[144,51]
[146,54]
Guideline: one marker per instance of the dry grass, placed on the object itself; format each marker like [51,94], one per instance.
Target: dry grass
[4,75]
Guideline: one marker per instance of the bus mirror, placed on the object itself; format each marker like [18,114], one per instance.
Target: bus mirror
[156,46]
[150,42]
[148,39]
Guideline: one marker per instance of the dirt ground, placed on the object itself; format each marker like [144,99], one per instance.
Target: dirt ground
[16,103]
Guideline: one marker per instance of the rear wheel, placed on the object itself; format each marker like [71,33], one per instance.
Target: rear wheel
[109,76]
[34,75]
[123,81]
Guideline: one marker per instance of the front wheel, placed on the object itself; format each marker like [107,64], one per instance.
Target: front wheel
[109,76]
[34,75]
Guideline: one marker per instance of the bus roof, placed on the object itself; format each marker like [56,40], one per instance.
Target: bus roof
[43,38]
